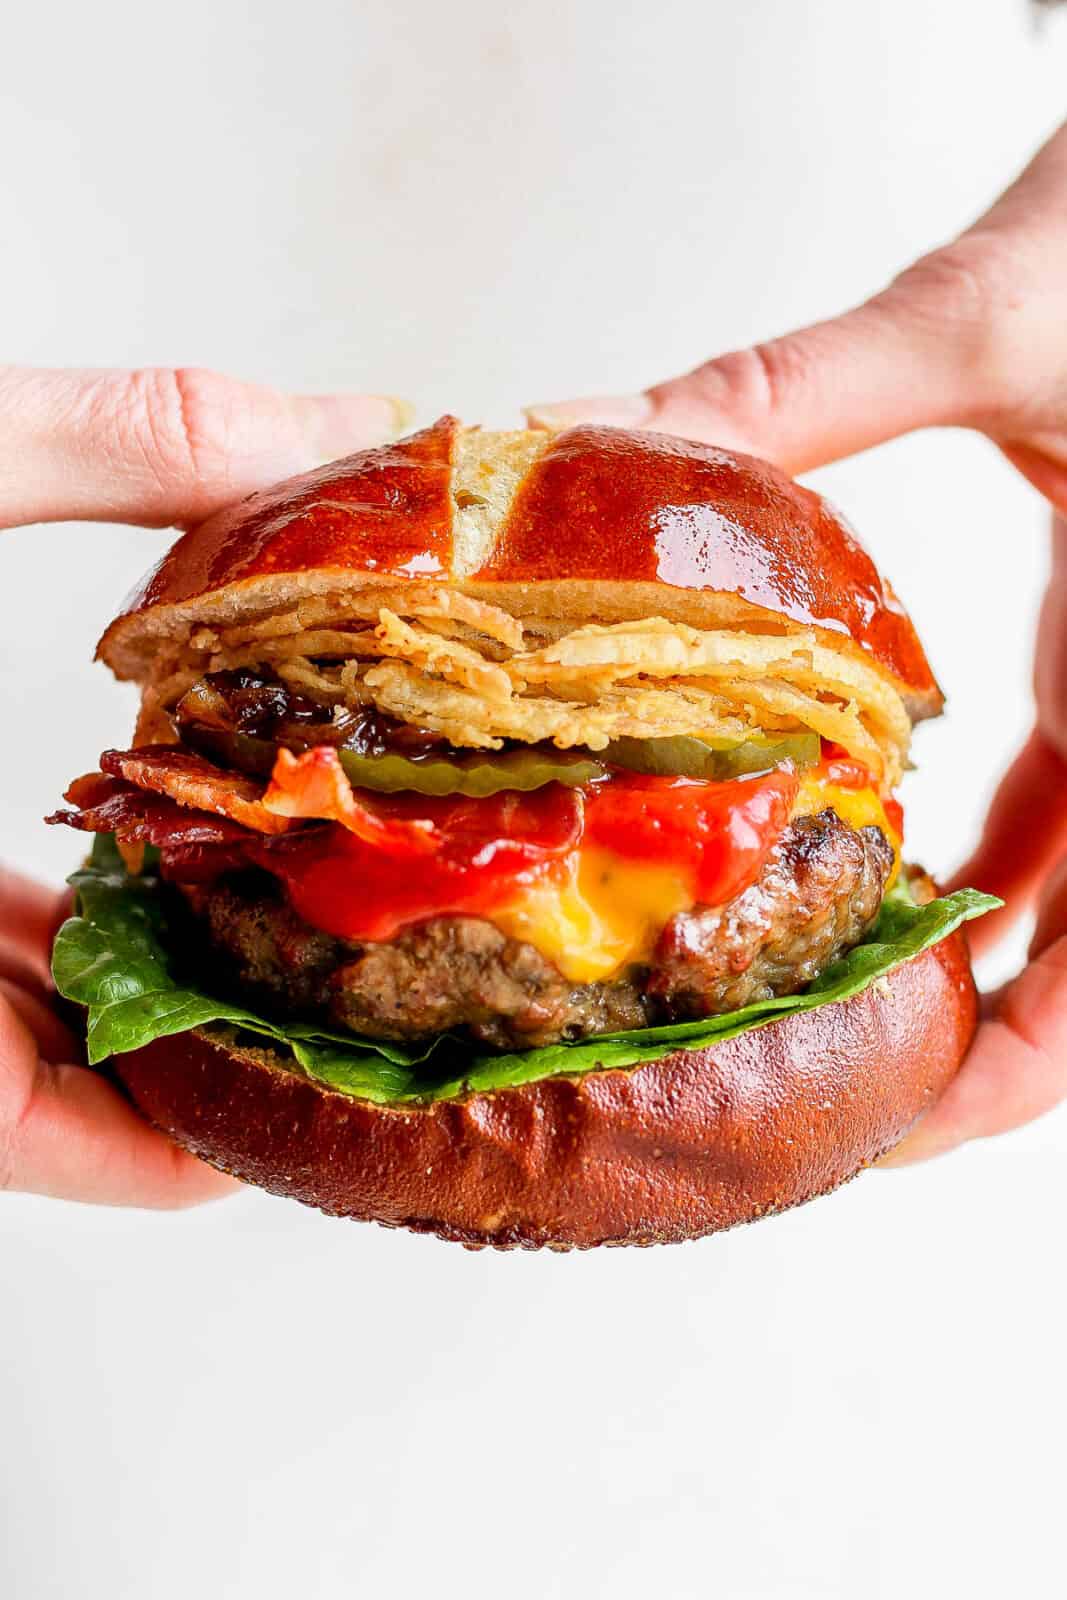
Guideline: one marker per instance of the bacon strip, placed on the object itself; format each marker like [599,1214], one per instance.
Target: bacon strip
[313,786]
[194,782]
[110,805]
[181,803]
[204,863]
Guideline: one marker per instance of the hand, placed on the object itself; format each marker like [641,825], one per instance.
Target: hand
[152,448]
[974,335]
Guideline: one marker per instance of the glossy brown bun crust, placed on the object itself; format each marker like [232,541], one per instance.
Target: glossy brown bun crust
[671,1150]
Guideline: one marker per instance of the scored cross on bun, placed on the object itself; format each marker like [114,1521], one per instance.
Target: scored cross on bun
[524,853]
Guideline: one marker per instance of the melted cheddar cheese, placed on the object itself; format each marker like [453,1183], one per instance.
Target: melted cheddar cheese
[604,915]
[607,913]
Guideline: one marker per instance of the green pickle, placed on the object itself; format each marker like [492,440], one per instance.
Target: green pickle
[478,776]
[473,773]
[482,775]
[716,761]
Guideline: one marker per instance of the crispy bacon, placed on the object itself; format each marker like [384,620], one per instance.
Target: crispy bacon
[135,816]
[313,786]
[192,862]
[204,863]
[184,805]
[194,782]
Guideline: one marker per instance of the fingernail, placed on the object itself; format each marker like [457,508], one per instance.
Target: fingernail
[915,1147]
[384,414]
[620,411]
[401,413]
[335,425]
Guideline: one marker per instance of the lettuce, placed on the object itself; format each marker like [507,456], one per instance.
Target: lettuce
[111,957]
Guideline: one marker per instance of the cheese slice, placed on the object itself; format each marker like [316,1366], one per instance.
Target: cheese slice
[604,915]
[607,913]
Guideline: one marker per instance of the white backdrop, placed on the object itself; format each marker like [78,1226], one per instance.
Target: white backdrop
[476,205]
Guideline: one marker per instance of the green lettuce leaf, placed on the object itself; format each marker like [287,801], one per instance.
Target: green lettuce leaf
[111,957]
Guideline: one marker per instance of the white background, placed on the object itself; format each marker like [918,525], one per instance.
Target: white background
[475,205]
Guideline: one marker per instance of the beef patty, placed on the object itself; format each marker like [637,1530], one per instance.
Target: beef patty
[818,893]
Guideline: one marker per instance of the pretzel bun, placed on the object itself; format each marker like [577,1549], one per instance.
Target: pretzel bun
[694,1143]
[592,524]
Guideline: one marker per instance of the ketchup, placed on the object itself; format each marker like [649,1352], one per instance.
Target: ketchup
[485,851]
[721,832]
[838,767]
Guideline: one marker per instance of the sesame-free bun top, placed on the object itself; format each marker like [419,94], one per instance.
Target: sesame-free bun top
[588,525]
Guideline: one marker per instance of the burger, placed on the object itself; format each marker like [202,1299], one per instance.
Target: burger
[508,848]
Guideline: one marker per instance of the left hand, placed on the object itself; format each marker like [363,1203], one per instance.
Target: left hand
[65,1131]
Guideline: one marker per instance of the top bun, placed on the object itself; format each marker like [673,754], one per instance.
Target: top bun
[591,524]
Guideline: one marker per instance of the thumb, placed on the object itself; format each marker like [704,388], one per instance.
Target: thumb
[968,336]
[66,1132]
[163,445]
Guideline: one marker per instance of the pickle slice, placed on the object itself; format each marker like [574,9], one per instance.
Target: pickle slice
[478,776]
[475,773]
[685,757]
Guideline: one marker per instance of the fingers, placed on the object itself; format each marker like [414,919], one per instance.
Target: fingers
[18,968]
[1050,656]
[53,1040]
[812,396]
[1025,833]
[1051,919]
[67,1133]
[1016,1069]
[1045,467]
[29,915]
[972,335]
[163,445]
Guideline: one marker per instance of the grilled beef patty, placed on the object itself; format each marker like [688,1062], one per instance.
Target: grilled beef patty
[817,895]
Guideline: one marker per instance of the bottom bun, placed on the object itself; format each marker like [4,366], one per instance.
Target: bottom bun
[684,1146]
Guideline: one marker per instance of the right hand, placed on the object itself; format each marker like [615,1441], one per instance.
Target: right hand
[974,336]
